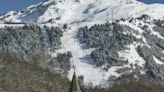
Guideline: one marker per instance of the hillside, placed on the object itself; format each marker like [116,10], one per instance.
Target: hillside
[108,39]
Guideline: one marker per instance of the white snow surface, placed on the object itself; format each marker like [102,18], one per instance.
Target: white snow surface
[67,11]
[158,61]
[88,12]
[132,56]
[82,62]
[10,25]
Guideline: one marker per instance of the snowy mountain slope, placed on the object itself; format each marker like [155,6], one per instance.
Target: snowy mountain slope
[90,12]
[68,11]
[143,55]
[82,61]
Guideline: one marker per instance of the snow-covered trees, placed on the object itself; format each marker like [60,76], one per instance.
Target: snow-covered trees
[108,38]
[29,40]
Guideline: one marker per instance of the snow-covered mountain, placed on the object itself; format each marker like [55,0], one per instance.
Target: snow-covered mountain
[134,19]
[69,11]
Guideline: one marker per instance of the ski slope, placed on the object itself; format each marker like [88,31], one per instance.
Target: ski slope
[82,61]
[87,12]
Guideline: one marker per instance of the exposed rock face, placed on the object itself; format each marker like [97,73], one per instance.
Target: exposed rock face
[29,40]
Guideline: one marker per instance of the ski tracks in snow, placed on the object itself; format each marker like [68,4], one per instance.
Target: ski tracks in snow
[82,61]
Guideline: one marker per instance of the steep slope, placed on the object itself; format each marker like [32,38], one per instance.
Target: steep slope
[68,11]
[78,14]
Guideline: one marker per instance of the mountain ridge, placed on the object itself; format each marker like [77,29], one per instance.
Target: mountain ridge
[63,10]
[130,26]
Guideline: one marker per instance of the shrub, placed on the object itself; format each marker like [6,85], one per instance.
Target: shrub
[133,86]
[19,76]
